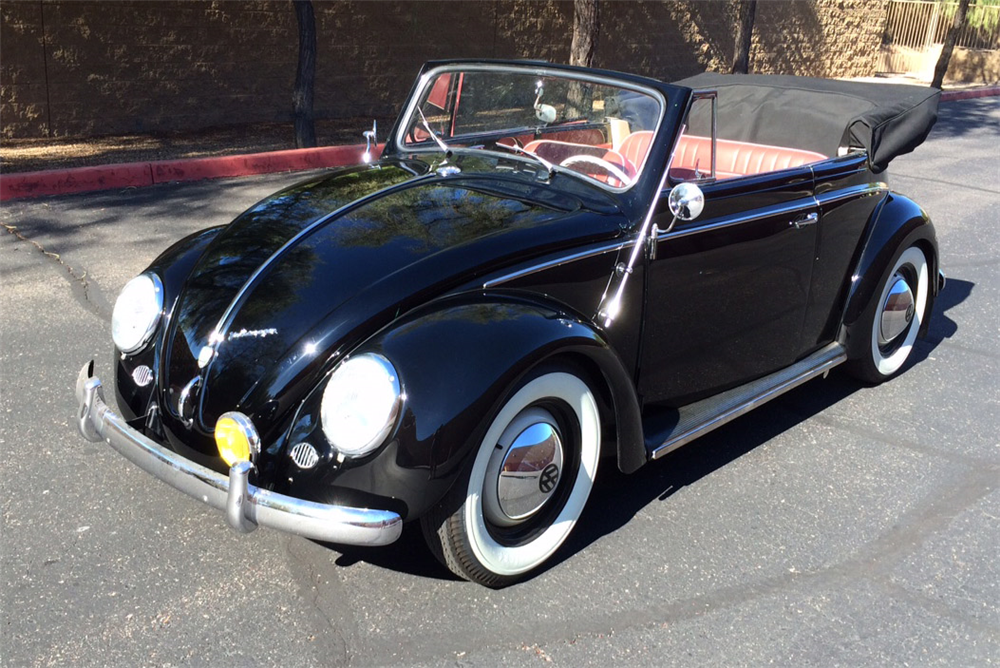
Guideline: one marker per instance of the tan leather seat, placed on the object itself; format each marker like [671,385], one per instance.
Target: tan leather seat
[635,147]
[735,158]
[557,151]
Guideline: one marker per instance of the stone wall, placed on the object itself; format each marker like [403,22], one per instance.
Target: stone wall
[72,68]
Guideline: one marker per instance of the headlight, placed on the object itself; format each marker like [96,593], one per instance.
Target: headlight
[360,404]
[137,312]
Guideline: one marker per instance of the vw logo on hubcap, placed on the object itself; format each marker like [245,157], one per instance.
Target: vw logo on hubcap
[547,481]
[524,468]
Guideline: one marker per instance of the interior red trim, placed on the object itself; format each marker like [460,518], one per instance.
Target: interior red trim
[735,158]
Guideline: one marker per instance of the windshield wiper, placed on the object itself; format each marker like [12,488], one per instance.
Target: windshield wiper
[545,163]
[427,126]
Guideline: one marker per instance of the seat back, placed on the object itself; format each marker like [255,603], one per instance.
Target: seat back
[636,146]
[557,151]
[735,158]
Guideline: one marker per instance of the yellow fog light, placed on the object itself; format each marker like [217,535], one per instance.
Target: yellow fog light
[236,438]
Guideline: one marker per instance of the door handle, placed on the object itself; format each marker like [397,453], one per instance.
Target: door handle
[805,219]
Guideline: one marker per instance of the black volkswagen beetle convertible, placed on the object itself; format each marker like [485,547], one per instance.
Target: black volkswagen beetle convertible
[548,270]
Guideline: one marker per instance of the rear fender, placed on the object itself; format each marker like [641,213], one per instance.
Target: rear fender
[898,223]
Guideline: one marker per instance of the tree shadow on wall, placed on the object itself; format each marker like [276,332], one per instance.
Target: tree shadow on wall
[789,39]
[676,39]
[680,39]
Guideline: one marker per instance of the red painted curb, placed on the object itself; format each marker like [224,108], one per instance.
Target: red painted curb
[292,160]
[139,174]
[78,179]
[988,91]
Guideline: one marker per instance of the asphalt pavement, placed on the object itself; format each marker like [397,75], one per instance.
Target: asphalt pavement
[837,525]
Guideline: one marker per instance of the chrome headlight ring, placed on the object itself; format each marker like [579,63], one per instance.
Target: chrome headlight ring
[137,312]
[361,404]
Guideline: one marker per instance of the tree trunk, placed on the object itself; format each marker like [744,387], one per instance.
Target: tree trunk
[744,35]
[586,27]
[949,43]
[305,75]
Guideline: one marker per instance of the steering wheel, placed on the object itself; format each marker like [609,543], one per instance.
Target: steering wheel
[510,141]
[609,167]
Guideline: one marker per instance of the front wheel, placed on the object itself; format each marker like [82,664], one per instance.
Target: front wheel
[893,319]
[528,484]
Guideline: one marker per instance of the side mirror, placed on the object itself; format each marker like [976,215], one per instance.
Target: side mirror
[686,201]
[370,140]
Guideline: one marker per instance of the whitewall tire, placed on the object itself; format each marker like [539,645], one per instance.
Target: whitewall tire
[527,486]
[894,318]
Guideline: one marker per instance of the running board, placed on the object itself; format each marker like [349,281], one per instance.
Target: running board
[703,416]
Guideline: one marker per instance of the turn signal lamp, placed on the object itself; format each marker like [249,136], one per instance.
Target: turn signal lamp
[236,438]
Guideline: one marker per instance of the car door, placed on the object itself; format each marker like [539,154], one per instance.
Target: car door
[727,292]
[847,193]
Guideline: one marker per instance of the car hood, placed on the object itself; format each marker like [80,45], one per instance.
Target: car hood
[305,275]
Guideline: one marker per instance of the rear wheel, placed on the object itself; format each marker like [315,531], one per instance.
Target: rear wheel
[893,319]
[527,486]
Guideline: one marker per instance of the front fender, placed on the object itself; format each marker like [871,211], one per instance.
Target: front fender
[898,223]
[174,264]
[173,267]
[457,360]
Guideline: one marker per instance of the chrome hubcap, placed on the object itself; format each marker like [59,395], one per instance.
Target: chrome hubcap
[524,469]
[897,311]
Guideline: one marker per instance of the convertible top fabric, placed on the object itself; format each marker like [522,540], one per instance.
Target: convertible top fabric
[819,115]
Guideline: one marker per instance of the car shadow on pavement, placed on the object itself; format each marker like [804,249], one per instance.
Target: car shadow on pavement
[617,498]
[942,326]
[956,119]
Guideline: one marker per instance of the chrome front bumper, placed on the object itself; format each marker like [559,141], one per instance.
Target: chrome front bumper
[245,505]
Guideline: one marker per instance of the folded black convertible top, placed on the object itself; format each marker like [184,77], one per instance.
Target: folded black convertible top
[822,115]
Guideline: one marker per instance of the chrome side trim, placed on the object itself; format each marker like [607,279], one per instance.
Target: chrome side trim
[245,505]
[790,207]
[852,192]
[218,334]
[758,214]
[566,259]
[742,400]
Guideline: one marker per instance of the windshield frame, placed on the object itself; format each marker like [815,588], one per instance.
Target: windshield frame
[429,76]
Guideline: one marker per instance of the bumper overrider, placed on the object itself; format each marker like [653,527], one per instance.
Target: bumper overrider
[246,506]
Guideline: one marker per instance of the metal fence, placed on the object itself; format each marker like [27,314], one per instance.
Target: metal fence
[922,23]
[915,30]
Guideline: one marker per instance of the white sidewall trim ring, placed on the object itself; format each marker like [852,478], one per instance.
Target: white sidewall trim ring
[506,560]
[888,365]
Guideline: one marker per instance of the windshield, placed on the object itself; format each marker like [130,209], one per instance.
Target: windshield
[596,128]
